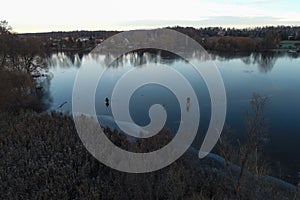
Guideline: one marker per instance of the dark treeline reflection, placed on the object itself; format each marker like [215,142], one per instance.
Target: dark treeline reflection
[65,59]
[44,91]
[264,61]
[145,56]
[136,58]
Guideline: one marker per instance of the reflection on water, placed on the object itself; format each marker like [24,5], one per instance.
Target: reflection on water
[271,74]
[45,92]
[64,60]
[264,61]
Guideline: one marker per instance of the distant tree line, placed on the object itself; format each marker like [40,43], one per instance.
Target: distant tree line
[82,33]
[77,41]
[284,32]
[211,38]
[231,39]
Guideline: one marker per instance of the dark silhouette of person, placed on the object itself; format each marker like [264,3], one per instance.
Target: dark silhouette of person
[106,102]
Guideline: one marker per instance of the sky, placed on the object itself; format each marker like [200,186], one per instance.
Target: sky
[62,15]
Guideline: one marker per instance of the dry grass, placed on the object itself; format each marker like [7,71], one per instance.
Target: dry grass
[42,157]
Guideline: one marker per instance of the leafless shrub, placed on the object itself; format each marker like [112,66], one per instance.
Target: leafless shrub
[17,91]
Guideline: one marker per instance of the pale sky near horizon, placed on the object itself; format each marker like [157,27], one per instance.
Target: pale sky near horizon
[60,15]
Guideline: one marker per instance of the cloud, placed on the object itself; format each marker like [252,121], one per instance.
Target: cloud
[224,21]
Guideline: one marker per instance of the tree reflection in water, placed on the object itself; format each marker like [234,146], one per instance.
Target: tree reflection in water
[265,61]
[65,59]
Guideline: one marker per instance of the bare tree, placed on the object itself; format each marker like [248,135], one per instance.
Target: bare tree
[30,54]
[247,154]
[23,54]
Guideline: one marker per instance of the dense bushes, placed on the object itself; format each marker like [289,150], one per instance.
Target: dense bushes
[42,157]
[17,91]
